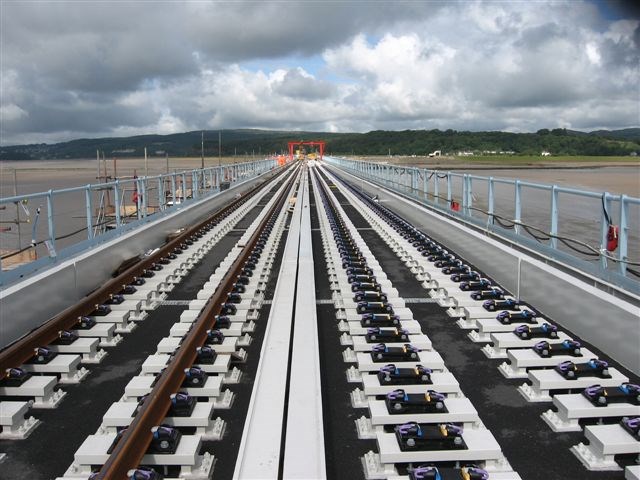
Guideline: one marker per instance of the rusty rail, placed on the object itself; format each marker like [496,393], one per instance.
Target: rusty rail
[133,444]
[22,350]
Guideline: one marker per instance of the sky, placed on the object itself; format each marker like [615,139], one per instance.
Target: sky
[77,69]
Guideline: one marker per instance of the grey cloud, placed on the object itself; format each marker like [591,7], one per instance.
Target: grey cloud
[247,30]
[538,36]
[296,85]
[96,67]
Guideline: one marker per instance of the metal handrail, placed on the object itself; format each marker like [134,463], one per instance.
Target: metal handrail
[174,190]
[426,186]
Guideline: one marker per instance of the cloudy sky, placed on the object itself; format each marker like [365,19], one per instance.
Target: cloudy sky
[90,69]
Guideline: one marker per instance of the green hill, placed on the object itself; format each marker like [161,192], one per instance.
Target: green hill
[378,142]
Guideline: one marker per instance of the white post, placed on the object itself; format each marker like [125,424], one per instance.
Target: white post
[518,279]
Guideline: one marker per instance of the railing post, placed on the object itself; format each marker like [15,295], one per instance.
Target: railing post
[449,188]
[50,219]
[425,182]
[469,195]
[465,196]
[144,197]
[160,193]
[623,236]
[490,195]
[518,206]
[436,189]
[87,196]
[184,187]
[173,188]
[604,227]
[553,241]
[138,199]
[116,203]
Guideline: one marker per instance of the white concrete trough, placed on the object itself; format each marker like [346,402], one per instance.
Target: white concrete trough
[120,414]
[40,388]
[140,385]
[85,346]
[456,305]
[509,340]
[154,364]
[193,466]
[574,407]
[543,382]
[428,359]
[444,382]
[150,298]
[494,476]
[460,410]
[64,366]
[487,326]
[352,315]
[182,328]
[134,307]
[14,422]
[346,302]
[171,344]
[421,342]
[605,441]
[523,359]
[477,311]
[119,318]
[481,445]
[632,472]
[354,328]
[106,332]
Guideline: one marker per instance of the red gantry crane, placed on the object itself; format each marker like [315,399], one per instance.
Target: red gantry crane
[318,143]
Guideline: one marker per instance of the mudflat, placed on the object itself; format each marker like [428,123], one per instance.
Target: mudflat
[618,175]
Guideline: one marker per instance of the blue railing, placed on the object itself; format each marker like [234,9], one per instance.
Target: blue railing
[566,224]
[79,218]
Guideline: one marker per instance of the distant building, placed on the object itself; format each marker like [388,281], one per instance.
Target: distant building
[545,154]
[436,153]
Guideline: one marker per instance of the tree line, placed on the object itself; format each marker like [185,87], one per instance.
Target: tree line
[247,142]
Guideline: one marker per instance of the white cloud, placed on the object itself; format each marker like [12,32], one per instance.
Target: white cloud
[11,112]
[95,70]
[593,54]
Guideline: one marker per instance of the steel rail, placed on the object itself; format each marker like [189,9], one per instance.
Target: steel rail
[22,349]
[132,446]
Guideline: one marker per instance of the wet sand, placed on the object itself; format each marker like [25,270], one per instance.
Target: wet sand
[42,175]
[578,219]
[623,179]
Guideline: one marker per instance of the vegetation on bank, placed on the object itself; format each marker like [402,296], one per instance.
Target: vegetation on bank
[245,142]
[506,160]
